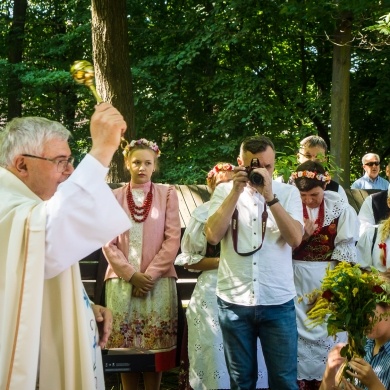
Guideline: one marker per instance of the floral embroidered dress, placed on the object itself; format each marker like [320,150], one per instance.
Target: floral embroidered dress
[207,369]
[149,322]
[335,241]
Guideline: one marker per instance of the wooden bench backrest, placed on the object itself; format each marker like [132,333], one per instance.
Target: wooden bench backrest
[191,196]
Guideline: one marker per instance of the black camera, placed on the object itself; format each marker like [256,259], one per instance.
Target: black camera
[254,177]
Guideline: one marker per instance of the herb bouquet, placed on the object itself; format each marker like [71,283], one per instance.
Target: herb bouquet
[346,302]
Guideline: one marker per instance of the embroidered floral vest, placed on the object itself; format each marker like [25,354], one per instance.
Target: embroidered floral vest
[318,247]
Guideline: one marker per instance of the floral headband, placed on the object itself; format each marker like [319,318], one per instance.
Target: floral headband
[312,175]
[220,168]
[142,141]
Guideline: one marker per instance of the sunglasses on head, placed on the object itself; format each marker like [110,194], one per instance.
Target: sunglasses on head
[371,164]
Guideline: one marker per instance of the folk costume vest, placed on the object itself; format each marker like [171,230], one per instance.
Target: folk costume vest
[318,247]
[379,206]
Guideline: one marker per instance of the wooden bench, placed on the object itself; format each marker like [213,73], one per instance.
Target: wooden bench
[93,267]
[356,197]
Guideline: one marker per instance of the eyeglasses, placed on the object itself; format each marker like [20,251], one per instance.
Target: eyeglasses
[62,165]
[319,157]
[371,164]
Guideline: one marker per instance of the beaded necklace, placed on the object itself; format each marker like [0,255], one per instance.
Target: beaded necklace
[139,213]
[320,219]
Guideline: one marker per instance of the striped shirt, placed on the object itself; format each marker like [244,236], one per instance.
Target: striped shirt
[380,363]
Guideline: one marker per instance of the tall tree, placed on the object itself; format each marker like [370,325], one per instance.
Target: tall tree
[15,55]
[340,96]
[272,74]
[112,66]
[205,74]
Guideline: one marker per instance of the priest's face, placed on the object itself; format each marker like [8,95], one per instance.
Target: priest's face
[44,176]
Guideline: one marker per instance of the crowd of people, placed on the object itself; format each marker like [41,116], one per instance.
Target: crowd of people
[259,246]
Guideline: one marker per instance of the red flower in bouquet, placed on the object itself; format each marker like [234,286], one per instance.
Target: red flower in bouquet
[327,295]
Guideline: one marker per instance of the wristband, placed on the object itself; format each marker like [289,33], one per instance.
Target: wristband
[273,201]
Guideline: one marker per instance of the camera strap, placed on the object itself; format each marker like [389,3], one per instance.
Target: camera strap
[264,217]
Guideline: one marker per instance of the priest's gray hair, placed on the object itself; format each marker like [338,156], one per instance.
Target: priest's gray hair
[28,135]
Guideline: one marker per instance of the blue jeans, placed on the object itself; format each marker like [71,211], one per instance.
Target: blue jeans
[276,327]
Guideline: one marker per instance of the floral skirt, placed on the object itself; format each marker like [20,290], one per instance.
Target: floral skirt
[149,322]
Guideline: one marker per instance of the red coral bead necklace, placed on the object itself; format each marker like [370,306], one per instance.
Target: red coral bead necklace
[139,213]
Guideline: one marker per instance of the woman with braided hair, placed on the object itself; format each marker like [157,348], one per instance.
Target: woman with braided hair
[331,230]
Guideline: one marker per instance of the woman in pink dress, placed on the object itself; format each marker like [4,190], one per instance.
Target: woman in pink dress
[141,278]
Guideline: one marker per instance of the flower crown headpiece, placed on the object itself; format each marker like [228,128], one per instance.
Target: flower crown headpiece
[312,175]
[220,168]
[142,141]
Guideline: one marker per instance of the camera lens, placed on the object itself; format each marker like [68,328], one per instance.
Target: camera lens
[256,179]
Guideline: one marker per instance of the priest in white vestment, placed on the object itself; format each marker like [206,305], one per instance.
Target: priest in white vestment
[51,216]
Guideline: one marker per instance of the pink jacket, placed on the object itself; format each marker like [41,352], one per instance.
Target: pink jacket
[161,236]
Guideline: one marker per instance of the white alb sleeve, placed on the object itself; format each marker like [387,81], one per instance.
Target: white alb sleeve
[82,216]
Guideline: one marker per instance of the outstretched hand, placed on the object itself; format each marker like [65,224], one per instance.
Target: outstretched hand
[107,127]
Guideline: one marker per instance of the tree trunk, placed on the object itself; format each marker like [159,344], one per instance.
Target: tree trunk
[112,68]
[340,98]
[15,54]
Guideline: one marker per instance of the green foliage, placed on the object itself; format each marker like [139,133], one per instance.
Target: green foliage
[285,164]
[207,74]
[56,33]
[382,26]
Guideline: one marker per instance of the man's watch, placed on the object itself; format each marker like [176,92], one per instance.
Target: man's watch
[273,201]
